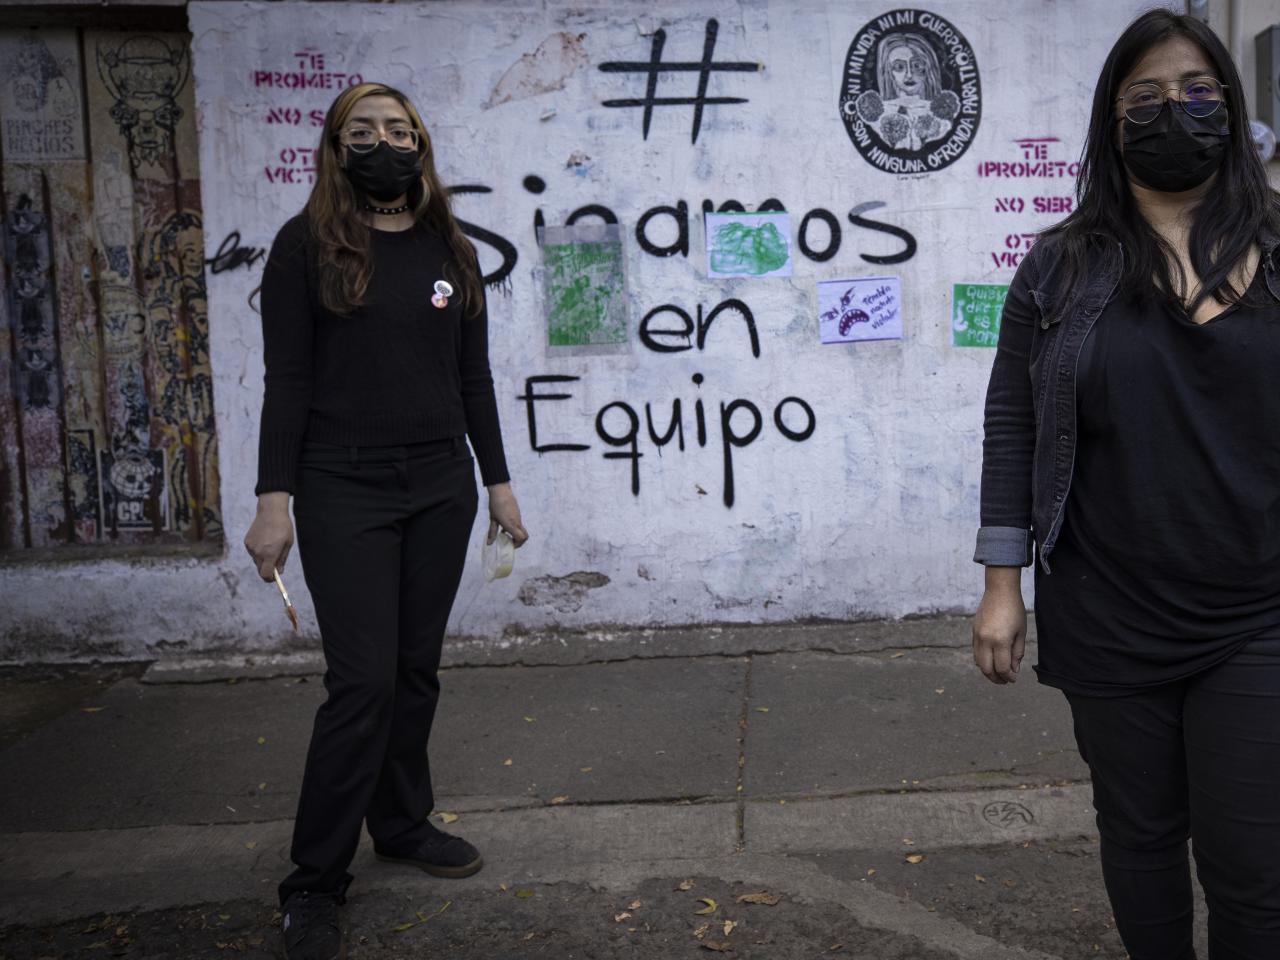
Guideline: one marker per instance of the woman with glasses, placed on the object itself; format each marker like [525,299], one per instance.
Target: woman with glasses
[1133,451]
[376,353]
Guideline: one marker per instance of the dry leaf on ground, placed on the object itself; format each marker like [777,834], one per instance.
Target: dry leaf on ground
[506,762]
[915,858]
[422,918]
[685,885]
[446,817]
[261,741]
[624,915]
[634,905]
[559,800]
[525,894]
[980,878]
[764,897]
[762,709]
[709,909]
[895,656]
[719,946]
[729,926]
[702,930]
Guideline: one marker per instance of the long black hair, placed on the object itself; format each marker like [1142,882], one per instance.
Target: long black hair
[1237,209]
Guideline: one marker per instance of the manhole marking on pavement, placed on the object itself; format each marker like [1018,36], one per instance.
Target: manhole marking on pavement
[1007,813]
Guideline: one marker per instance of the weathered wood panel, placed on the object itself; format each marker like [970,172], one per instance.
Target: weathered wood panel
[110,433]
[38,387]
[142,110]
[12,511]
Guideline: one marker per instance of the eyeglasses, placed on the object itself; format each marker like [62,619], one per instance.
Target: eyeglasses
[1198,96]
[364,139]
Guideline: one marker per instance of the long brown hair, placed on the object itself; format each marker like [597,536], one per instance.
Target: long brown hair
[342,237]
[1238,208]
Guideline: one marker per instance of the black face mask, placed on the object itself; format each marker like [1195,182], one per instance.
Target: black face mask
[1175,151]
[384,173]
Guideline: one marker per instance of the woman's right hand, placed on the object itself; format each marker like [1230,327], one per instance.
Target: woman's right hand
[270,536]
[1000,626]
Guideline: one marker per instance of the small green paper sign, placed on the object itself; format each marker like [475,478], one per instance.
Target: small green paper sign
[975,313]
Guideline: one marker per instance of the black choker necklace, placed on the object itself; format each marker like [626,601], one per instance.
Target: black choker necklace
[387,211]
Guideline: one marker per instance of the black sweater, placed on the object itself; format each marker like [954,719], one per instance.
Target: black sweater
[397,370]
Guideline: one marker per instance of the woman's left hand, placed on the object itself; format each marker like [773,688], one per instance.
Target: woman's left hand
[505,512]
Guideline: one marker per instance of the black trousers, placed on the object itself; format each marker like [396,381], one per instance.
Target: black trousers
[1198,758]
[382,534]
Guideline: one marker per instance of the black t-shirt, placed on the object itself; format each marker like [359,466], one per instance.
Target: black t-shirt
[397,370]
[1169,556]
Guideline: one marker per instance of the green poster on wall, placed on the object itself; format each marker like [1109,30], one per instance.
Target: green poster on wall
[585,288]
[975,313]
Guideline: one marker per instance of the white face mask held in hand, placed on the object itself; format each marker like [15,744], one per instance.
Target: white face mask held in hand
[497,558]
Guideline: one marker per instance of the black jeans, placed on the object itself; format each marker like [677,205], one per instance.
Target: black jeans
[1196,758]
[382,533]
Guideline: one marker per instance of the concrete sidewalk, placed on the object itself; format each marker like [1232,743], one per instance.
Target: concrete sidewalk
[866,774]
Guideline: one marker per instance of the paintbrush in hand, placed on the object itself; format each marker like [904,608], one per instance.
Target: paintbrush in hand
[288,604]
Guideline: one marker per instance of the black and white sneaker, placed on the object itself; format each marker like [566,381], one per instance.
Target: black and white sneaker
[311,926]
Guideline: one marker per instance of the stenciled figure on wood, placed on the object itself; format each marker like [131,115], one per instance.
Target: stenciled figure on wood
[136,433]
[124,321]
[133,475]
[37,372]
[28,290]
[82,485]
[145,74]
[37,83]
[172,262]
[25,224]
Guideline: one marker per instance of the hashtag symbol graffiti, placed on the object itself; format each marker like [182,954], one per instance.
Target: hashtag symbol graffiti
[655,66]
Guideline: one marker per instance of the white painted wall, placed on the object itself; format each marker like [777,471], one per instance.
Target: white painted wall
[873,516]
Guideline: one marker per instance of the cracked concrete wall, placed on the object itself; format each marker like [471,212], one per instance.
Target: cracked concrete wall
[872,515]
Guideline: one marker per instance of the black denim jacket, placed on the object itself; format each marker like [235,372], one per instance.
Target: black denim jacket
[1029,448]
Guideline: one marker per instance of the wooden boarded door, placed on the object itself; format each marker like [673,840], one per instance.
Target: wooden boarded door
[107,430]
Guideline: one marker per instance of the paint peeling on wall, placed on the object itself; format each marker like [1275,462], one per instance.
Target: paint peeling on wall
[563,594]
[548,68]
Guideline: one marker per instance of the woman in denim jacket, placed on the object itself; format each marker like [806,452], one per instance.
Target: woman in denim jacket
[1132,452]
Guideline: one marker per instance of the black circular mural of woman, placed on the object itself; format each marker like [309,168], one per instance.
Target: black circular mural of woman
[911,98]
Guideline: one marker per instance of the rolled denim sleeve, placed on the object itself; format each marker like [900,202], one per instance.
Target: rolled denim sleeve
[1004,547]
[1009,433]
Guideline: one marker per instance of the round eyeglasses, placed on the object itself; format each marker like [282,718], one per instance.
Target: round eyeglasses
[364,139]
[1198,96]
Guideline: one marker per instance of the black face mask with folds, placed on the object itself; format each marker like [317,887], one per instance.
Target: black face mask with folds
[384,173]
[1176,151]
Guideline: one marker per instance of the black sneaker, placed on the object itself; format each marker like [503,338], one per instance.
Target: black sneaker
[438,853]
[312,930]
